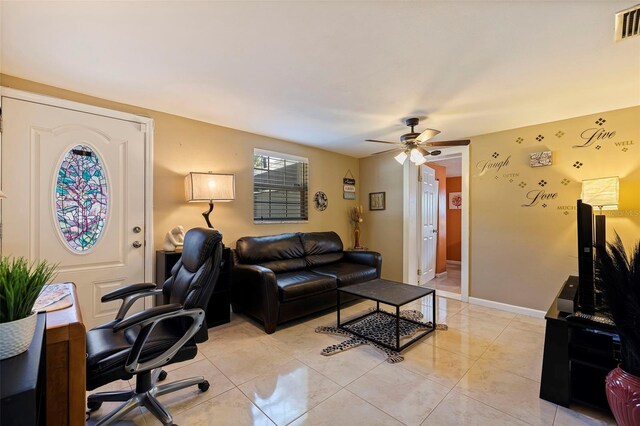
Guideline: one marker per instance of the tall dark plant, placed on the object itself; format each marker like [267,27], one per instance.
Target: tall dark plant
[620,283]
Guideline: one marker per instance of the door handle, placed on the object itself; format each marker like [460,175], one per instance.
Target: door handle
[435,231]
[137,244]
[137,229]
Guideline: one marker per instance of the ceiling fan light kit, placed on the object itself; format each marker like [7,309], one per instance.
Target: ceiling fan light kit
[401,158]
[413,144]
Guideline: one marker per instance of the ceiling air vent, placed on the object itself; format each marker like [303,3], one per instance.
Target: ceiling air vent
[628,23]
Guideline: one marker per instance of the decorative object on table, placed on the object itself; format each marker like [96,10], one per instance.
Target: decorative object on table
[355,214]
[413,145]
[539,159]
[381,327]
[377,201]
[208,187]
[320,201]
[174,239]
[349,186]
[20,284]
[52,298]
[455,200]
[620,283]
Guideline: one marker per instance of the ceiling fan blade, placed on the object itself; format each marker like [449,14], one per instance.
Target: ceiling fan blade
[388,150]
[462,142]
[422,151]
[373,140]
[426,135]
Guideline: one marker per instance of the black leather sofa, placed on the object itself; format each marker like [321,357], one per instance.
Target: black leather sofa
[278,278]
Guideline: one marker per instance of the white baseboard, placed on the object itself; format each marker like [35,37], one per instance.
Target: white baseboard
[441,274]
[454,262]
[506,307]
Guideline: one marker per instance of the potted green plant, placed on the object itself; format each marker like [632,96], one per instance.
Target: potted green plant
[620,283]
[20,284]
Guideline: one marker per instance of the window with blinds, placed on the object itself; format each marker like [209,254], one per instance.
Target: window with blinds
[280,187]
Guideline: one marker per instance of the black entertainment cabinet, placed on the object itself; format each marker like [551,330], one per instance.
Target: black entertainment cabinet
[577,357]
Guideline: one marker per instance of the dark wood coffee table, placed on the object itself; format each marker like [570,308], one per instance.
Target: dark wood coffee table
[390,293]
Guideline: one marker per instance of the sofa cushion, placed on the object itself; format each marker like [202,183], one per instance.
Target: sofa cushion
[293,285]
[285,265]
[321,248]
[347,273]
[260,250]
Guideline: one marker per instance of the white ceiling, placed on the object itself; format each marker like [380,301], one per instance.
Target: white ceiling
[453,165]
[331,74]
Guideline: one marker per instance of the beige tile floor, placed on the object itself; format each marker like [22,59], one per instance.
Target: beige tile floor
[449,282]
[485,370]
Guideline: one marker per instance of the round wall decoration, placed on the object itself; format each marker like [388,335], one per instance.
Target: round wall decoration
[320,201]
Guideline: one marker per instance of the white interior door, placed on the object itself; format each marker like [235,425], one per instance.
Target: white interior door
[75,186]
[428,214]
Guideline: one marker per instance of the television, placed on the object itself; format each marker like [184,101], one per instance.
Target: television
[586,300]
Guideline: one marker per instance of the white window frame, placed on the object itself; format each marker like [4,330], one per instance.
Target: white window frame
[284,156]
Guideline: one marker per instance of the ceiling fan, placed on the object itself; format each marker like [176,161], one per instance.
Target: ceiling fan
[413,145]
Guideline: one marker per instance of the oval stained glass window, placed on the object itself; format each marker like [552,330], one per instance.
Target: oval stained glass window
[81,198]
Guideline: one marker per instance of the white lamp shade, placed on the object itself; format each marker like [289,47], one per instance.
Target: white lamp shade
[401,158]
[205,187]
[601,192]
[416,157]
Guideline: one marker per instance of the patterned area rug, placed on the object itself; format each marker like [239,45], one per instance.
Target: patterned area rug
[381,327]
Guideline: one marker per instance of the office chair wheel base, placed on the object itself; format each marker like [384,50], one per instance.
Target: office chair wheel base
[204,386]
[94,405]
[163,375]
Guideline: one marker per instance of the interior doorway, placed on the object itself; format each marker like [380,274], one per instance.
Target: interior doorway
[452,278]
[448,268]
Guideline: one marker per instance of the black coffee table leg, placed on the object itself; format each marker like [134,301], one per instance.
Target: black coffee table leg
[398,328]
[338,310]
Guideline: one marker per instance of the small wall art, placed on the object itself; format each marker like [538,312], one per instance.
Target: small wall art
[539,159]
[455,200]
[377,201]
[349,186]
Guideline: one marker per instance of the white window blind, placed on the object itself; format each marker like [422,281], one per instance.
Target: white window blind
[280,187]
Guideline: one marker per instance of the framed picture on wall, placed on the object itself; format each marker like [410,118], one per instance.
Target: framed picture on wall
[455,200]
[377,201]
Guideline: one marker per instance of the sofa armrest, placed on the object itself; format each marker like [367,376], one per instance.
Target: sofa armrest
[369,258]
[255,289]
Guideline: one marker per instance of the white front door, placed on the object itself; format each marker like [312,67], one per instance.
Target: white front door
[428,214]
[75,185]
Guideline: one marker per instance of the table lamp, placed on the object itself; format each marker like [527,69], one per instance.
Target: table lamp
[604,194]
[208,187]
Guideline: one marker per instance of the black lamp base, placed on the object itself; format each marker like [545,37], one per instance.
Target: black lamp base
[207,213]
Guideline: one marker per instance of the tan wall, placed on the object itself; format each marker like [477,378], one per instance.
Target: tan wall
[441,247]
[182,145]
[522,251]
[454,222]
[382,229]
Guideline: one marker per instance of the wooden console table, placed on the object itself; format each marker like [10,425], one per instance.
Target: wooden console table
[66,364]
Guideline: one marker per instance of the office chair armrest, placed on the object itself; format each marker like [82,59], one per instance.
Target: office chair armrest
[145,315]
[123,292]
[148,322]
[129,295]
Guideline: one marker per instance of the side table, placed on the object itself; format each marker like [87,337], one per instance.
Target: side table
[218,310]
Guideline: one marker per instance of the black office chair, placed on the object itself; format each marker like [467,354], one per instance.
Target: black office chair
[143,343]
